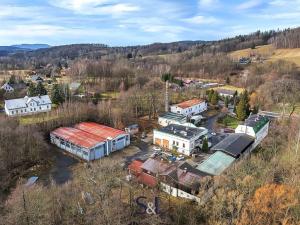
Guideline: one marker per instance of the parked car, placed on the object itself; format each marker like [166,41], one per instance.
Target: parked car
[156,148]
[213,133]
[180,157]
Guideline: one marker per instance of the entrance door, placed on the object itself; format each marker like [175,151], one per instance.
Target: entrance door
[157,141]
[165,143]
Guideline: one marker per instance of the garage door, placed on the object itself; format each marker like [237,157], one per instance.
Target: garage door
[157,141]
[99,152]
[165,143]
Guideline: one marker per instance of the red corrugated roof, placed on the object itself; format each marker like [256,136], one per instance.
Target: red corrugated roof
[78,137]
[147,179]
[135,166]
[190,103]
[99,130]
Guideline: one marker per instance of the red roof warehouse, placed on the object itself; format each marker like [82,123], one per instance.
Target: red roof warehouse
[90,141]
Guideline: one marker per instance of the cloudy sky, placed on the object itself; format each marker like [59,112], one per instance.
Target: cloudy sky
[132,22]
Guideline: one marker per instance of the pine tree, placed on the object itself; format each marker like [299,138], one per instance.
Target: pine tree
[205,145]
[210,94]
[226,101]
[57,95]
[40,89]
[214,98]
[241,110]
[31,90]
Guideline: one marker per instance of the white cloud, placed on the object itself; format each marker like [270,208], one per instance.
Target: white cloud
[207,4]
[96,7]
[202,20]
[249,4]
[19,11]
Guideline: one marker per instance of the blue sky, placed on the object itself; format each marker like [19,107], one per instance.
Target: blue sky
[132,22]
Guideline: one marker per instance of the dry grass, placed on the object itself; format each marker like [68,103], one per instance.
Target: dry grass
[231,88]
[270,53]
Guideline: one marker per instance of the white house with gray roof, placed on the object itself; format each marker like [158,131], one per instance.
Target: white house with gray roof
[27,105]
[256,126]
[181,138]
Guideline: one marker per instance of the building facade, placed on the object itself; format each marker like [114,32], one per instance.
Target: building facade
[27,105]
[7,87]
[180,138]
[256,126]
[190,107]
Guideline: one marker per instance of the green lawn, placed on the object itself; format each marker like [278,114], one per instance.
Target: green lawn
[229,121]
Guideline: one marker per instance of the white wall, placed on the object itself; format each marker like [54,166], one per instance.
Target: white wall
[31,109]
[196,109]
[178,193]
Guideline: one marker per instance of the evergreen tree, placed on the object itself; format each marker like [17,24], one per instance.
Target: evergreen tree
[57,95]
[210,94]
[31,90]
[226,101]
[40,89]
[241,110]
[227,80]
[12,80]
[205,145]
[214,98]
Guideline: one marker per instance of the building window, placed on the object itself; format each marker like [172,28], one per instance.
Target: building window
[24,110]
[173,142]
[40,107]
[34,109]
[177,143]
[12,112]
[183,145]
[31,109]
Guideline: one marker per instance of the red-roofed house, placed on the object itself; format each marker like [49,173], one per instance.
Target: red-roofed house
[115,139]
[190,107]
[135,167]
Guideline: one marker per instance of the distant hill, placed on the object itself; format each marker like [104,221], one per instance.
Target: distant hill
[31,46]
[7,50]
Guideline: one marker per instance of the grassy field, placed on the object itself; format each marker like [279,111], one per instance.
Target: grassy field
[288,109]
[229,122]
[230,87]
[270,53]
[33,119]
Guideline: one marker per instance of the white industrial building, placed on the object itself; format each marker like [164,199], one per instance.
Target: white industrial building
[27,105]
[256,126]
[180,138]
[190,107]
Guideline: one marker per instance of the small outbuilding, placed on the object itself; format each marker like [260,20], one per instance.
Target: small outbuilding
[171,118]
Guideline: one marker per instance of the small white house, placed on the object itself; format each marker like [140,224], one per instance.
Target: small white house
[190,107]
[7,87]
[171,118]
[256,126]
[178,137]
[226,93]
[27,105]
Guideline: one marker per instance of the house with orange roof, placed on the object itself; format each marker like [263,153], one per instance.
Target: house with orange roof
[189,108]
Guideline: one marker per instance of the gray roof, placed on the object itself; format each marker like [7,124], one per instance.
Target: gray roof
[182,131]
[173,116]
[23,102]
[256,121]
[36,78]
[216,163]
[234,145]
[74,86]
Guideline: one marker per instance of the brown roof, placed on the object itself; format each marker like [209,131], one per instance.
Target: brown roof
[156,166]
[189,103]
[147,179]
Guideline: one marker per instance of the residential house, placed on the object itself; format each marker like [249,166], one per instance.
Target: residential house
[27,105]
[7,87]
[36,79]
[256,126]
[90,141]
[177,179]
[171,118]
[225,93]
[180,138]
[190,107]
